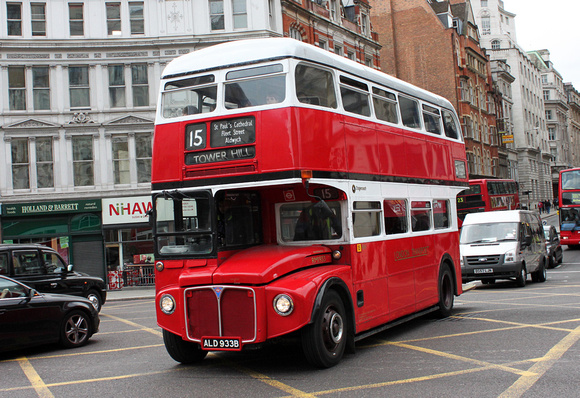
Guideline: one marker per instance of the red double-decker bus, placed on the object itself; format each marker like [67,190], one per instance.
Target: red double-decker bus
[297,191]
[488,195]
[569,203]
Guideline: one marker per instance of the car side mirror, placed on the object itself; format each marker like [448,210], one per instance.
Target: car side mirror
[69,268]
[527,240]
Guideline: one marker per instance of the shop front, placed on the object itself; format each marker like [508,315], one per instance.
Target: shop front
[73,228]
[128,241]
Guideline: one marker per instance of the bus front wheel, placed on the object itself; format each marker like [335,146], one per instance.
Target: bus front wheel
[324,340]
[182,351]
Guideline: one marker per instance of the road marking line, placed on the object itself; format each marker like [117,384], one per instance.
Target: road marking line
[134,324]
[34,378]
[524,383]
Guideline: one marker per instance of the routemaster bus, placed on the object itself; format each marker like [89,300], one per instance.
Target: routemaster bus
[488,195]
[296,192]
[569,203]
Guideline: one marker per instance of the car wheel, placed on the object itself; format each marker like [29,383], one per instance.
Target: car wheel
[75,329]
[541,274]
[521,278]
[446,292]
[95,298]
[552,261]
[561,258]
[324,340]
[182,351]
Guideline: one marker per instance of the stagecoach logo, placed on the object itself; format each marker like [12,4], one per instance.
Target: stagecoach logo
[482,260]
[355,188]
[218,291]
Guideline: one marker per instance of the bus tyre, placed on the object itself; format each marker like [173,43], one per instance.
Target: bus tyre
[521,278]
[446,292]
[324,340]
[182,351]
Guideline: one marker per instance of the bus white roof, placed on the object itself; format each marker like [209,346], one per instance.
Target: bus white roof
[249,51]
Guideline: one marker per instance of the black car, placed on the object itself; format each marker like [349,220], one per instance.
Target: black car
[553,246]
[29,318]
[43,269]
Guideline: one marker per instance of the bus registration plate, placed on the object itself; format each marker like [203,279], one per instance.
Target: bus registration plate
[221,343]
[483,270]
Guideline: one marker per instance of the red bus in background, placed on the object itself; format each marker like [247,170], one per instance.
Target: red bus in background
[569,203]
[295,190]
[488,195]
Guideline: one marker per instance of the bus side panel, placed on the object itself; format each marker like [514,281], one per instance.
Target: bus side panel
[277,140]
[321,146]
[417,157]
[391,149]
[401,277]
[361,146]
[426,266]
[370,277]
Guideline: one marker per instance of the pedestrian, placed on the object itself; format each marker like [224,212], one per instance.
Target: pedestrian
[555,203]
[540,206]
[547,205]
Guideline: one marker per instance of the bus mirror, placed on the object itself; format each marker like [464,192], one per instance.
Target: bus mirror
[150,217]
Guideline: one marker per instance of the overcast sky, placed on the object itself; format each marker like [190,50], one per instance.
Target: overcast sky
[551,24]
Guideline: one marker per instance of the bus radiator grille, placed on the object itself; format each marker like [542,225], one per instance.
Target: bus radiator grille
[221,311]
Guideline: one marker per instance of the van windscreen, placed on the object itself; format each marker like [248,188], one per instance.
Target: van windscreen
[489,233]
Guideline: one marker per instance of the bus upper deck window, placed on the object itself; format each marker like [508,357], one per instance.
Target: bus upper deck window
[315,86]
[385,104]
[410,112]
[432,119]
[256,86]
[451,129]
[189,96]
[355,96]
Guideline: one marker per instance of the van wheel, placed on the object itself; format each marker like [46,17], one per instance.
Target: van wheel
[521,278]
[324,340]
[541,274]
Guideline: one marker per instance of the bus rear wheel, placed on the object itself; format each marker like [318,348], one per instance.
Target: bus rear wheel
[182,351]
[446,291]
[324,340]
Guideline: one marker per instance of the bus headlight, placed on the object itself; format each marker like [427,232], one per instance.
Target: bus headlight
[283,304]
[167,304]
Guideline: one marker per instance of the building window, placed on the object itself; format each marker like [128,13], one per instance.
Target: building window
[75,19]
[546,95]
[14,18]
[240,14]
[334,10]
[365,27]
[38,18]
[216,14]
[495,45]
[337,49]
[484,3]
[20,164]
[548,114]
[322,44]
[137,17]
[117,86]
[295,34]
[82,147]
[552,133]
[113,19]
[121,162]
[78,77]
[16,88]
[44,163]
[140,83]
[40,88]
[485,25]
[143,149]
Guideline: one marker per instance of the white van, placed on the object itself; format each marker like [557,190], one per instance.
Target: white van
[506,244]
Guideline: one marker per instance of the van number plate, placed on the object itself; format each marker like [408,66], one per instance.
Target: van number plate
[483,270]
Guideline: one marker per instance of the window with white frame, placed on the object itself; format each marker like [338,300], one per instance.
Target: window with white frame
[140,84]
[551,133]
[546,95]
[216,14]
[113,18]
[14,19]
[136,17]
[495,44]
[548,114]
[75,19]
[79,86]
[143,151]
[17,88]
[44,163]
[337,49]
[295,34]
[38,18]
[40,88]
[117,85]
[121,161]
[240,14]
[485,25]
[83,160]
[20,163]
